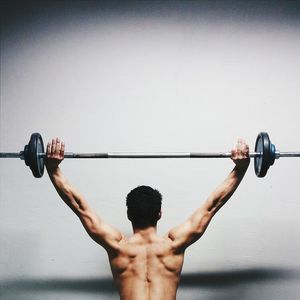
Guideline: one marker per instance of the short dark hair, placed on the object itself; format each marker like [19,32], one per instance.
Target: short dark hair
[143,206]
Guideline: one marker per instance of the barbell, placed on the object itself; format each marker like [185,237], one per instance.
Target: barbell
[264,155]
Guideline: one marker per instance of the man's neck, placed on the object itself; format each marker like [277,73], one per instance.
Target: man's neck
[147,234]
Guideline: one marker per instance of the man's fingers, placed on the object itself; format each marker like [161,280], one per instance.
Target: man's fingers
[240,153]
[240,149]
[48,149]
[233,153]
[57,147]
[53,146]
[246,149]
[62,149]
[240,144]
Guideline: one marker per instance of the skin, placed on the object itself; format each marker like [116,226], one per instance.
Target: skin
[146,266]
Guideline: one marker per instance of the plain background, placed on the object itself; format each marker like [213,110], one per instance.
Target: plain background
[150,76]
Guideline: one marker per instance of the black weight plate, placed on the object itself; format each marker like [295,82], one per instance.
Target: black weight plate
[273,154]
[26,155]
[266,159]
[35,161]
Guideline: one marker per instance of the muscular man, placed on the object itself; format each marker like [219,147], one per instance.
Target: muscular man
[145,266]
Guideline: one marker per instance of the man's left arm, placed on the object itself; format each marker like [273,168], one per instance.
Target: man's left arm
[192,229]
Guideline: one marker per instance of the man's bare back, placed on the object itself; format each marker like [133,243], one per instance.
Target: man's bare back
[146,266]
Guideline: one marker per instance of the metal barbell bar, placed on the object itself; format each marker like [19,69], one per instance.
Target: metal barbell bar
[149,154]
[264,155]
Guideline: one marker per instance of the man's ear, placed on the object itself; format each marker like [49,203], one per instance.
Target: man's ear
[159,215]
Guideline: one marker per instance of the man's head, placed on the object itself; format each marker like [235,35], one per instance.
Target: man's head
[143,206]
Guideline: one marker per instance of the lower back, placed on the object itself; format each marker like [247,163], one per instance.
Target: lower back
[135,289]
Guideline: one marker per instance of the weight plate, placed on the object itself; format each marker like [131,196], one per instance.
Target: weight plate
[273,154]
[26,155]
[33,159]
[266,158]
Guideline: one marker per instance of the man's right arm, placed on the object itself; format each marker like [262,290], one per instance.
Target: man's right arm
[190,231]
[99,231]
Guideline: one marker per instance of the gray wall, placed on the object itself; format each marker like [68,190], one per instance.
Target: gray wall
[150,76]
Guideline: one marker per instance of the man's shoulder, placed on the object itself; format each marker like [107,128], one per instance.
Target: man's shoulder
[132,242]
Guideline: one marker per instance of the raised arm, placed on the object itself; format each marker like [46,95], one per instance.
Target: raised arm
[99,231]
[190,231]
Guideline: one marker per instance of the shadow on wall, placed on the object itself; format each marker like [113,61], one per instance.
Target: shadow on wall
[216,280]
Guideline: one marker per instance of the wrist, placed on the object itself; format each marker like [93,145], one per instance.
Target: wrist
[52,169]
[242,165]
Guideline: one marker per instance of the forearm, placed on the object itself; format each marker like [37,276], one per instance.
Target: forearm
[66,191]
[224,191]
